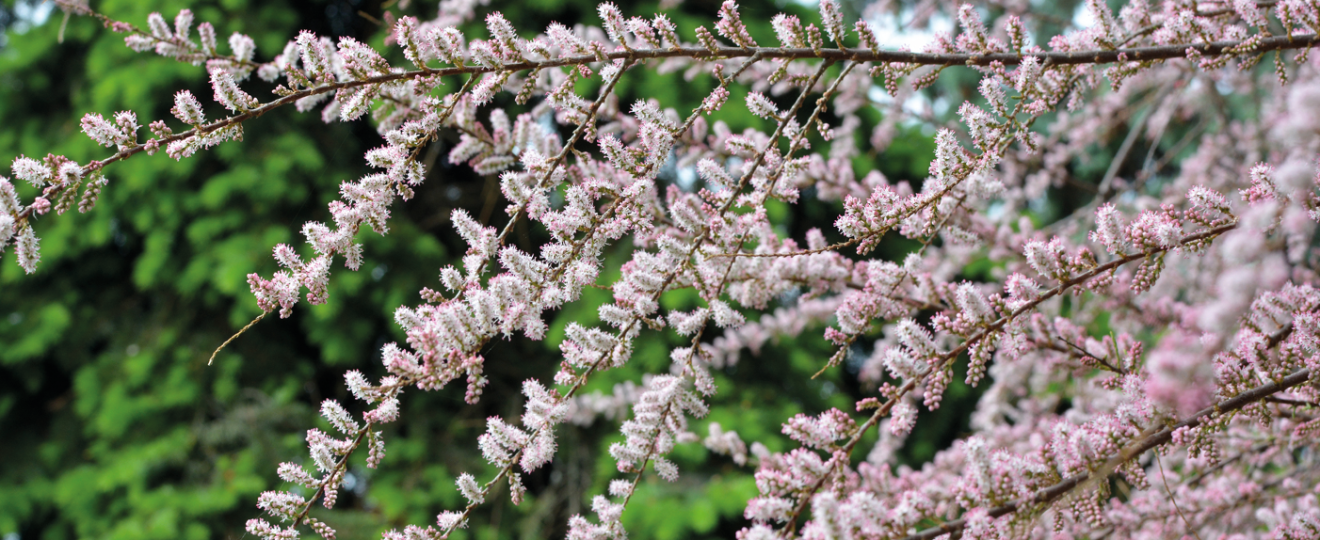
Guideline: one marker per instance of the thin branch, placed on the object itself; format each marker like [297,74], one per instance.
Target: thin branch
[562,156]
[581,381]
[1159,463]
[194,58]
[652,448]
[1223,463]
[1293,402]
[1164,435]
[329,476]
[947,358]
[1135,54]
[235,336]
[1138,126]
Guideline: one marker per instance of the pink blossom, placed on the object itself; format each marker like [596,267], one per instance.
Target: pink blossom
[730,25]
[1181,376]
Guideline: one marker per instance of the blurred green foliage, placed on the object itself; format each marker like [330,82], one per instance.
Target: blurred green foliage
[115,427]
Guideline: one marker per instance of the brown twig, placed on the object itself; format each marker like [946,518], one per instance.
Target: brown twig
[947,358]
[235,336]
[1164,435]
[1139,54]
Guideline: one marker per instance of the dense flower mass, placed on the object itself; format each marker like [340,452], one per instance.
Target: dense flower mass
[1149,357]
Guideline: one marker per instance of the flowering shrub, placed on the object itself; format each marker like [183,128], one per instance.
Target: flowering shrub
[1147,359]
